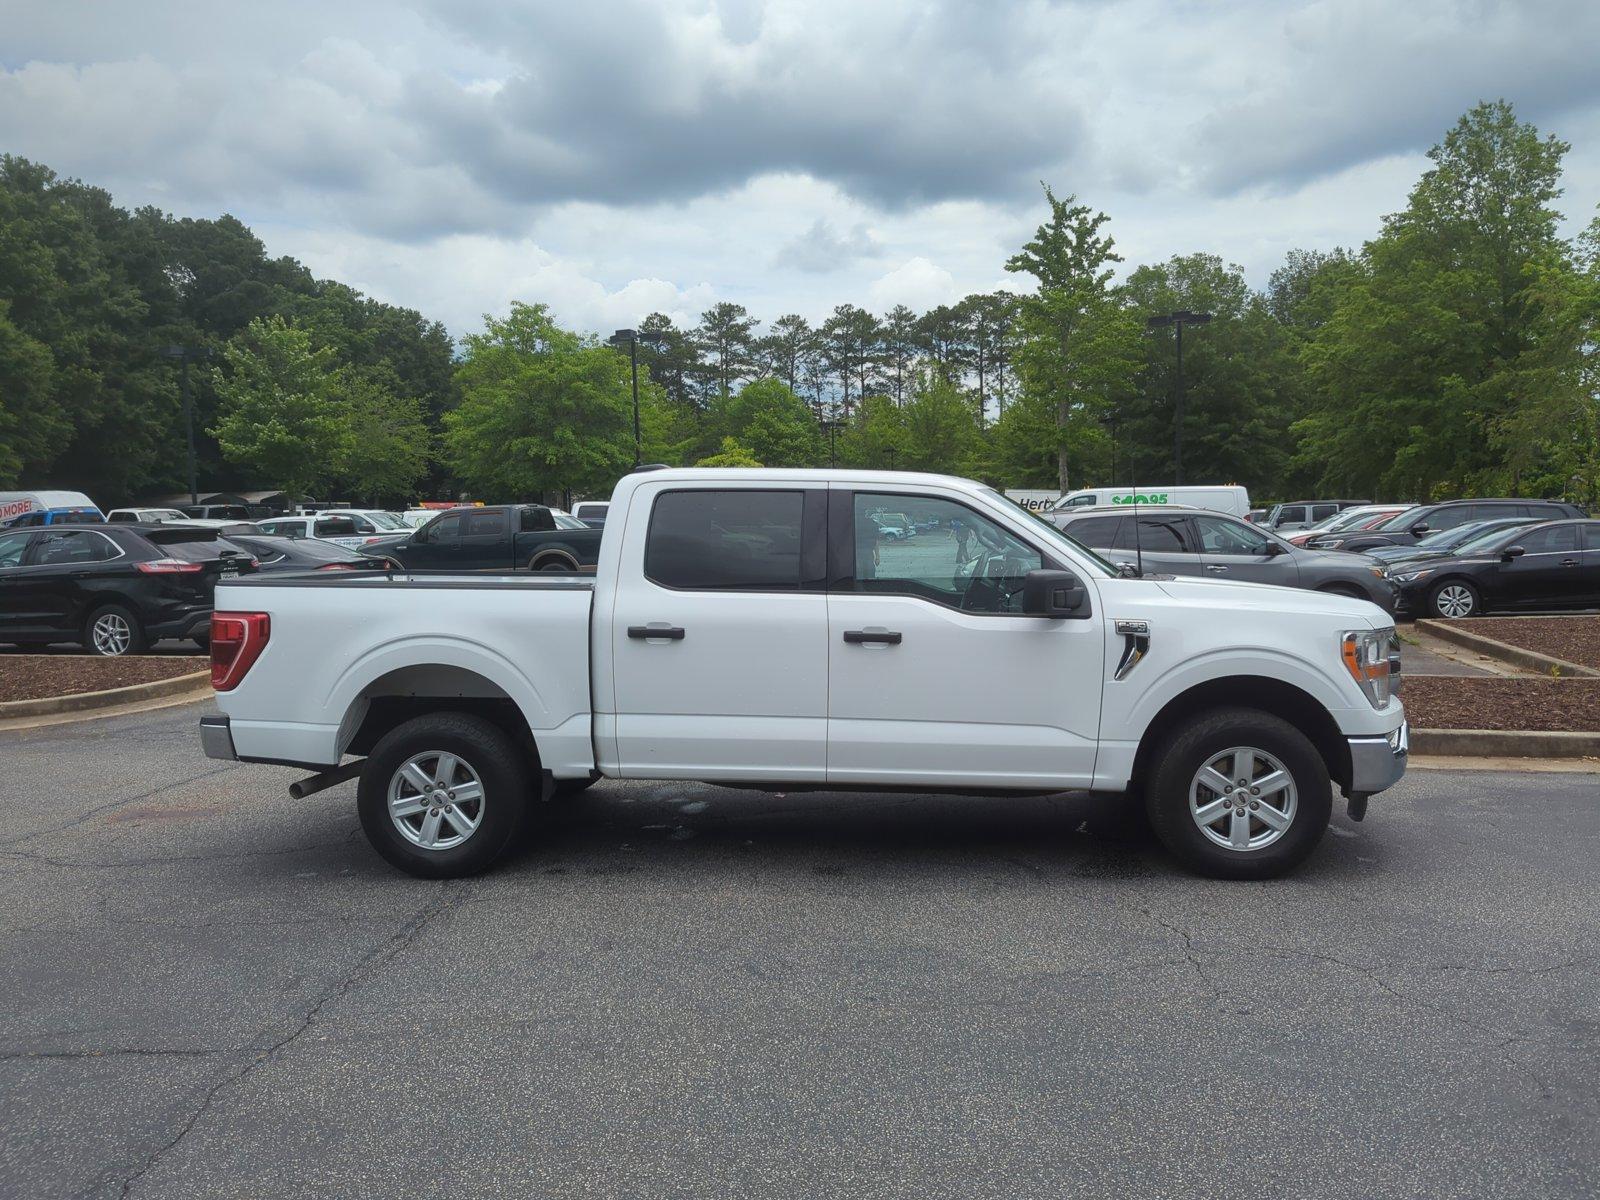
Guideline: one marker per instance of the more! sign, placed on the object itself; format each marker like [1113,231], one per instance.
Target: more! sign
[15,508]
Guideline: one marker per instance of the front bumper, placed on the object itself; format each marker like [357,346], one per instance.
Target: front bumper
[216,738]
[1378,762]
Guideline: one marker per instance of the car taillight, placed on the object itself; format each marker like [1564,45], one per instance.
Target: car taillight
[170,566]
[237,640]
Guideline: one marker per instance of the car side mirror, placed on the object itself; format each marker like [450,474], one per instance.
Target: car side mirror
[1055,594]
[1420,528]
[1511,552]
[1127,571]
[1274,549]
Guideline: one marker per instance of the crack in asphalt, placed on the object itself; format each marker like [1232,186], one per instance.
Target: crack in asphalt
[385,952]
[111,806]
[114,1052]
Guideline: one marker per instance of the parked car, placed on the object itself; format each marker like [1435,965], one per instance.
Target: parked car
[1298,514]
[1229,498]
[26,510]
[591,512]
[350,529]
[1555,565]
[219,512]
[1190,542]
[1363,516]
[1407,528]
[112,588]
[1257,515]
[161,516]
[276,554]
[735,633]
[504,537]
[1447,541]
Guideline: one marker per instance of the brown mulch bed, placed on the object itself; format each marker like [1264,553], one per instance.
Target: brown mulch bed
[1575,639]
[36,676]
[1552,705]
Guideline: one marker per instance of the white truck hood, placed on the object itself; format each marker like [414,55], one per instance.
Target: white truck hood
[1272,598]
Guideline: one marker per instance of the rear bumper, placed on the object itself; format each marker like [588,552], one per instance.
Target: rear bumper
[216,738]
[1378,762]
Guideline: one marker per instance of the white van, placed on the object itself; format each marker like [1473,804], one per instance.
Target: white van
[48,508]
[1230,498]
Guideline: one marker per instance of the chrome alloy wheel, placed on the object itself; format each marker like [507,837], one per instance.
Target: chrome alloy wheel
[435,800]
[112,634]
[1243,798]
[1453,601]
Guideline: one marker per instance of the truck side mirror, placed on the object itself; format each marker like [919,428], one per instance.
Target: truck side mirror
[1055,594]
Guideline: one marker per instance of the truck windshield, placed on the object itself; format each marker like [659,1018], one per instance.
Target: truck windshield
[1053,534]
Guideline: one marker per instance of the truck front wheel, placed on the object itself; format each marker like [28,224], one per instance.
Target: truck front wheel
[1239,794]
[441,796]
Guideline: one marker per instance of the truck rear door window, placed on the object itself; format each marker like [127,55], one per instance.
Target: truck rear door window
[738,540]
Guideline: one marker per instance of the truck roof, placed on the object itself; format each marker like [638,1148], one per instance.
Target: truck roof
[812,475]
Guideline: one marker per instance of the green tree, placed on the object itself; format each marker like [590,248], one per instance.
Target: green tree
[1081,343]
[389,446]
[772,422]
[732,454]
[281,417]
[540,409]
[941,427]
[784,350]
[725,338]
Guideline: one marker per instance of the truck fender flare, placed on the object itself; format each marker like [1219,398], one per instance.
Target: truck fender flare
[346,703]
[1234,662]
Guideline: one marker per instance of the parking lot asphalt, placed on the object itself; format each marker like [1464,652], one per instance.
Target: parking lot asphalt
[215,990]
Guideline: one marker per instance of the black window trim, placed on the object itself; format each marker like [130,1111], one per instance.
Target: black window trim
[842,549]
[814,548]
[38,541]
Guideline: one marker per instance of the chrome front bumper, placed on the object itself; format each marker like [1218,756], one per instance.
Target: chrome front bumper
[216,738]
[1378,762]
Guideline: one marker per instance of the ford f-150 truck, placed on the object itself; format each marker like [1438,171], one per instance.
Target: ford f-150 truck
[498,538]
[754,628]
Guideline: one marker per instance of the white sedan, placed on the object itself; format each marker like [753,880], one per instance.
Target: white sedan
[344,527]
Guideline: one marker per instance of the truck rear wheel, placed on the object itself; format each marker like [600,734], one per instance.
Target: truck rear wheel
[441,796]
[1239,794]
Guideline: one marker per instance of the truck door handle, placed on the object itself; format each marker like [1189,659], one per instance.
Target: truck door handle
[671,633]
[883,637]
[1215,570]
[1569,562]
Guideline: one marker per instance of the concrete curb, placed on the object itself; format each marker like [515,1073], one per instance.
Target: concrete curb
[1531,660]
[1504,743]
[198,682]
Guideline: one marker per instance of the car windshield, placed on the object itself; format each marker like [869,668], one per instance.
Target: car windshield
[1489,539]
[1461,534]
[564,521]
[1339,520]
[1054,534]
[1403,520]
[385,520]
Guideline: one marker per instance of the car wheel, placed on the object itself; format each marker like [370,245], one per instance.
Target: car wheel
[555,565]
[113,631]
[1239,794]
[1453,599]
[441,796]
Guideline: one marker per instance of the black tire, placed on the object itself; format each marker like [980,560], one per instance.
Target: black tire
[554,564]
[135,638]
[1454,587]
[1191,747]
[499,764]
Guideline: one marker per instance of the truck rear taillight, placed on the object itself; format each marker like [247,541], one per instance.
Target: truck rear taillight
[237,640]
[170,566]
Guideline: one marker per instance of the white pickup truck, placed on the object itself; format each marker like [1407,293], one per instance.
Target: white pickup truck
[755,628]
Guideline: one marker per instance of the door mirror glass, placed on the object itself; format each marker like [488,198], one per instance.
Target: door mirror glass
[1057,594]
[1420,528]
[1511,552]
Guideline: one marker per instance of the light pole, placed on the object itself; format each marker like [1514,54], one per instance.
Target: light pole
[1178,320]
[183,354]
[1110,422]
[631,338]
[832,424]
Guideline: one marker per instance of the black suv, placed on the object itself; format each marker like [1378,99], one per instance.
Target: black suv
[1418,522]
[112,588]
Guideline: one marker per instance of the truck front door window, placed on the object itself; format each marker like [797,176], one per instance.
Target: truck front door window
[962,559]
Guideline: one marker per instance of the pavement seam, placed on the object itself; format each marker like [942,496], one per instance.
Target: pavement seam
[386,951]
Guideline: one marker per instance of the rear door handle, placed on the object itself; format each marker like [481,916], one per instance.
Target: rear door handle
[880,637]
[1569,562]
[671,633]
[1216,570]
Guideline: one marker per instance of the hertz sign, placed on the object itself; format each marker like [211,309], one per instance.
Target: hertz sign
[1139,498]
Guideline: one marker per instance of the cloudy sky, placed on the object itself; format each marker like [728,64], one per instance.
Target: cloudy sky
[611,158]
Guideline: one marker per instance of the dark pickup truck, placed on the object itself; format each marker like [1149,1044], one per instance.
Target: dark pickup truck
[509,537]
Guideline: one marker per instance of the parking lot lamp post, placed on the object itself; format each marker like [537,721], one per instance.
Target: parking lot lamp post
[1110,422]
[631,339]
[183,354]
[1178,320]
[831,424]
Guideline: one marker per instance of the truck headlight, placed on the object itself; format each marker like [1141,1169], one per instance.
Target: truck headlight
[1366,654]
